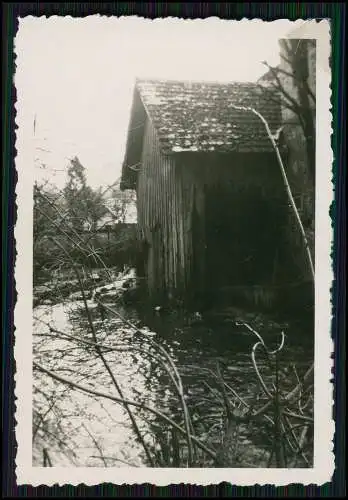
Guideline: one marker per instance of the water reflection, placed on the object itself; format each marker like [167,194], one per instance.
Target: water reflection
[98,431]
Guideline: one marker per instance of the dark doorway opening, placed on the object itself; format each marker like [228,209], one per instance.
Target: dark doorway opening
[243,233]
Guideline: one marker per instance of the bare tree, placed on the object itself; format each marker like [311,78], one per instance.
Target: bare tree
[294,81]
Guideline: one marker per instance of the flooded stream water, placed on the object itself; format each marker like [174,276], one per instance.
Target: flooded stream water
[90,430]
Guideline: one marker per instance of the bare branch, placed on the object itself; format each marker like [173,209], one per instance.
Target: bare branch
[97,445]
[124,401]
[102,357]
[271,98]
[262,382]
[179,384]
[280,87]
[303,82]
[46,458]
[115,460]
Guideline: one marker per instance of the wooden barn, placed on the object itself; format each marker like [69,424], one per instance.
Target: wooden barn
[211,202]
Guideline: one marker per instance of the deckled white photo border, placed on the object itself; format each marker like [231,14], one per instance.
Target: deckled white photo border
[324,425]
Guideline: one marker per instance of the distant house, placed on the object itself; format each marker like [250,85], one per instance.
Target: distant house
[212,210]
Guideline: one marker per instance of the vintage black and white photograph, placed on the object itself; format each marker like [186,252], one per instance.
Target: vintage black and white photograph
[173,216]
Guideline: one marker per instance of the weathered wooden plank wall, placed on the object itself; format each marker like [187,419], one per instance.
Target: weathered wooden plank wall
[212,220]
[178,211]
[246,212]
[166,200]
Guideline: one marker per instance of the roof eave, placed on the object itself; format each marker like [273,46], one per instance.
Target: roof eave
[128,175]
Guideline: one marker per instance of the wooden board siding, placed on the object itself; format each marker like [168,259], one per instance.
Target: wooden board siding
[182,201]
[245,217]
[167,202]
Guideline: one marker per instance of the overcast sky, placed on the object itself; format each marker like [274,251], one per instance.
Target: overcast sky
[76,76]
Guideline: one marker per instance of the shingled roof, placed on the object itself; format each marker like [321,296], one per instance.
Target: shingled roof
[200,117]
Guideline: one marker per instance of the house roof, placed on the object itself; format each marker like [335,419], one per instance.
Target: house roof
[200,116]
